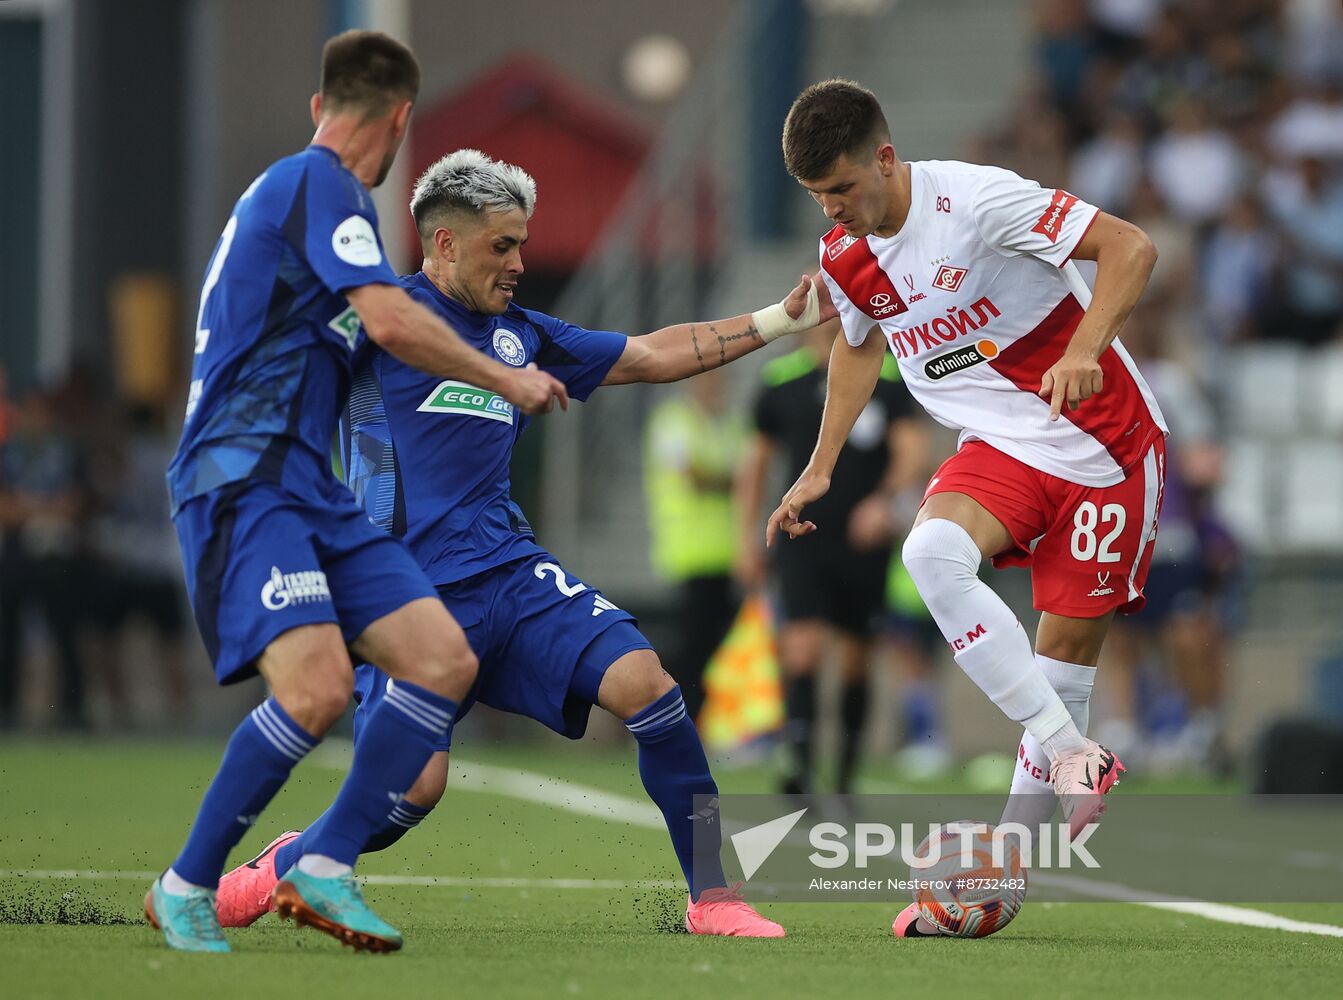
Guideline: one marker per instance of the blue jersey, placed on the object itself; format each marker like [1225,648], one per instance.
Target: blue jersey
[429,458]
[275,335]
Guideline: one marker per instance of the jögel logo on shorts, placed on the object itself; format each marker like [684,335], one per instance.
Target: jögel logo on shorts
[960,359]
[284,589]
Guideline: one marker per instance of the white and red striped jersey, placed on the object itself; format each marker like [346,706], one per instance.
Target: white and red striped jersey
[977,299]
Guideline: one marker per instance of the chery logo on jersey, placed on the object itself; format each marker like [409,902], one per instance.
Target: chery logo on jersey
[469,400]
[1050,224]
[882,305]
[948,279]
[960,359]
[284,589]
[508,345]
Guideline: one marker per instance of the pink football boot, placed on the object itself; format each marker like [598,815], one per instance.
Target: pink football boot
[1081,780]
[245,893]
[722,911]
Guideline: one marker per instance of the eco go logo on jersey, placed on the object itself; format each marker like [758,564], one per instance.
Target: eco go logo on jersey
[960,359]
[469,400]
[508,345]
[284,589]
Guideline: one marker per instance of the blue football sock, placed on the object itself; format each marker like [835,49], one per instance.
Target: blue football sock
[403,818]
[259,756]
[400,737]
[674,770]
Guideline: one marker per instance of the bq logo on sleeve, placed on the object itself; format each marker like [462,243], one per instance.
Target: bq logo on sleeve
[464,398]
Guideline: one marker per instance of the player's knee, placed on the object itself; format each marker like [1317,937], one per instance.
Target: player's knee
[318,697]
[801,647]
[937,549]
[450,670]
[634,682]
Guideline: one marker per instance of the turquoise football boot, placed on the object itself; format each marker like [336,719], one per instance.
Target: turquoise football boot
[188,922]
[334,906]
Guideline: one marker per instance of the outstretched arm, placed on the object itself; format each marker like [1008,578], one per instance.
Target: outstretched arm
[411,333]
[677,352]
[849,384]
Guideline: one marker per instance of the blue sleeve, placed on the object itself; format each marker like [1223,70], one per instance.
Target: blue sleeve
[341,241]
[577,357]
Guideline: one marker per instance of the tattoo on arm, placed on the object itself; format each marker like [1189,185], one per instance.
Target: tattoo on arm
[750,333]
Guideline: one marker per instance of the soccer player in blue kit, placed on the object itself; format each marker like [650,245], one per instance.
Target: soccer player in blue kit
[429,458]
[285,572]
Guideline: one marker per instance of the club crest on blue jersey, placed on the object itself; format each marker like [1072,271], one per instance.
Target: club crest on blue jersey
[508,345]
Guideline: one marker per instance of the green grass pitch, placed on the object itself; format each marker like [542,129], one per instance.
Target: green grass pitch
[124,807]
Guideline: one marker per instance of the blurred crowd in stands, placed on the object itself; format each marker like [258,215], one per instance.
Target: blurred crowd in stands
[1217,126]
[89,571]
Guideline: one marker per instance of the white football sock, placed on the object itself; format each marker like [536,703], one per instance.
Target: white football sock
[320,866]
[1031,800]
[175,885]
[986,639]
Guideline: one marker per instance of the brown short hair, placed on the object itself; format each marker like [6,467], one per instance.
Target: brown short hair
[828,120]
[367,71]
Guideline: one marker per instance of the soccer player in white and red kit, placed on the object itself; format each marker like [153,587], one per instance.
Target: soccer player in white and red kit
[965,272]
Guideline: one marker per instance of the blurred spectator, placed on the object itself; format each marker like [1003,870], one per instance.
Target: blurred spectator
[694,440]
[1166,69]
[1121,24]
[135,566]
[9,413]
[1105,170]
[1197,167]
[1310,125]
[1065,48]
[42,508]
[1237,274]
[1314,36]
[1307,208]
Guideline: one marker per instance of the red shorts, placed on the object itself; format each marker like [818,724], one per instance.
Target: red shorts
[1088,547]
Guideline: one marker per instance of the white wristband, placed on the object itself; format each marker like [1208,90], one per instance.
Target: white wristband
[773,321]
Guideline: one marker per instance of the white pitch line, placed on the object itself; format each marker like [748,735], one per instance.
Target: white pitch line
[428,881]
[1224,912]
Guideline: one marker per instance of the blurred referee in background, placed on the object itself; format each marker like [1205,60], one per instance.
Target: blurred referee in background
[832,590]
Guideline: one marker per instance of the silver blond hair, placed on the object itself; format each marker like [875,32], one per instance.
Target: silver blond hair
[469,181]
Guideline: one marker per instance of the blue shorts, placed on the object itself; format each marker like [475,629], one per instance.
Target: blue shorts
[543,638]
[261,560]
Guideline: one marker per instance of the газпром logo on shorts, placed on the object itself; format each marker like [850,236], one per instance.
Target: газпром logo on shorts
[284,589]
[960,359]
